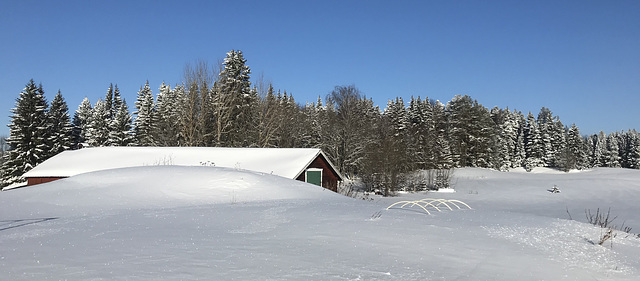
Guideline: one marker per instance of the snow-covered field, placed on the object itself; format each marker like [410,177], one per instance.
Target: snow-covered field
[208,223]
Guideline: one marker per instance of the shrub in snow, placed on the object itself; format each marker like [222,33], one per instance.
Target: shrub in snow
[605,221]
[354,189]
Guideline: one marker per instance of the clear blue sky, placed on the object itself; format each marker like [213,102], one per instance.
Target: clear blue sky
[581,59]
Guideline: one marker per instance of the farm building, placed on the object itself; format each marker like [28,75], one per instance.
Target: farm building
[303,164]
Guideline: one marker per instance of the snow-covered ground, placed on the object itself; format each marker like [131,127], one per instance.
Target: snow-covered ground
[208,223]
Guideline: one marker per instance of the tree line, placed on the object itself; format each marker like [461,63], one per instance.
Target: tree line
[219,106]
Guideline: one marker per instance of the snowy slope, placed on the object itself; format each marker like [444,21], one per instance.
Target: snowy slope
[207,223]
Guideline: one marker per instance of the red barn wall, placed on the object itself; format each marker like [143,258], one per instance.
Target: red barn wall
[329,176]
[34,181]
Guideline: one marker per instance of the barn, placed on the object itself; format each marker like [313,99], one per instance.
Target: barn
[304,164]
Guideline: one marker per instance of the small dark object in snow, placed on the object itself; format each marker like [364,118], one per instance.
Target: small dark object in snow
[555,189]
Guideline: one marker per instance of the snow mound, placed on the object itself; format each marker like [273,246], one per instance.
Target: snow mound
[159,186]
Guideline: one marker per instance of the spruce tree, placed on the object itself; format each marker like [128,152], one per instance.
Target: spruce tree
[98,130]
[520,153]
[59,125]
[167,116]
[81,123]
[546,130]
[108,102]
[460,110]
[443,158]
[505,139]
[117,99]
[28,140]
[631,150]
[573,155]
[472,132]
[143,124]
[534,147]
[421,136]
[396,118]
[113,102]
[384,157]
[316,126]
[559,137]
[313,114]
[236,103]
[612,156]
[120,133]
[290,132]
[599,150]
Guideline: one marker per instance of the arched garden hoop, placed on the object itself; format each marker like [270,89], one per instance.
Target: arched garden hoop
[437,204]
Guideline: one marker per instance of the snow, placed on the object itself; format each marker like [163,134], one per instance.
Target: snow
[285,162]
[211,223]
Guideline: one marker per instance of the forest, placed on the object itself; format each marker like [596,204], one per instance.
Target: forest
[219,106]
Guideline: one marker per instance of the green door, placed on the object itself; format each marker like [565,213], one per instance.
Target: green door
[314,176]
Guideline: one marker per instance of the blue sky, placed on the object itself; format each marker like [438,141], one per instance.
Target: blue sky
[581,59]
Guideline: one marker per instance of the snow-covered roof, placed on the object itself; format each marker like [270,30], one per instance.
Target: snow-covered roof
[285,162]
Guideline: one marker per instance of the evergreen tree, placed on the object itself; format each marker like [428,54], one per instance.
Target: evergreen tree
[515,144]
[291,132]
[559,143]
[505,139]
[98,130]
[421,136]
[143,124]
[28,140]
[520,153]
[314,119]
[546,131]
[235,96]
[396,119]
[472,132]
[396,113]
[120,133]
[384,156]
[631,150]
[108,102]
[443,158]
[573,155]
[534,147]
[599,150]
[59,126]
[167,118]
[612,156]
[113,103]
[117,100]
[81,122]
[590,144]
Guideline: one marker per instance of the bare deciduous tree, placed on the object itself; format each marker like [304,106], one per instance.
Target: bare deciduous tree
[351,117]
[269,118]
[196,112]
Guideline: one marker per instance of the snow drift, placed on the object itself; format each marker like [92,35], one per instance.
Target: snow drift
[205,223]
